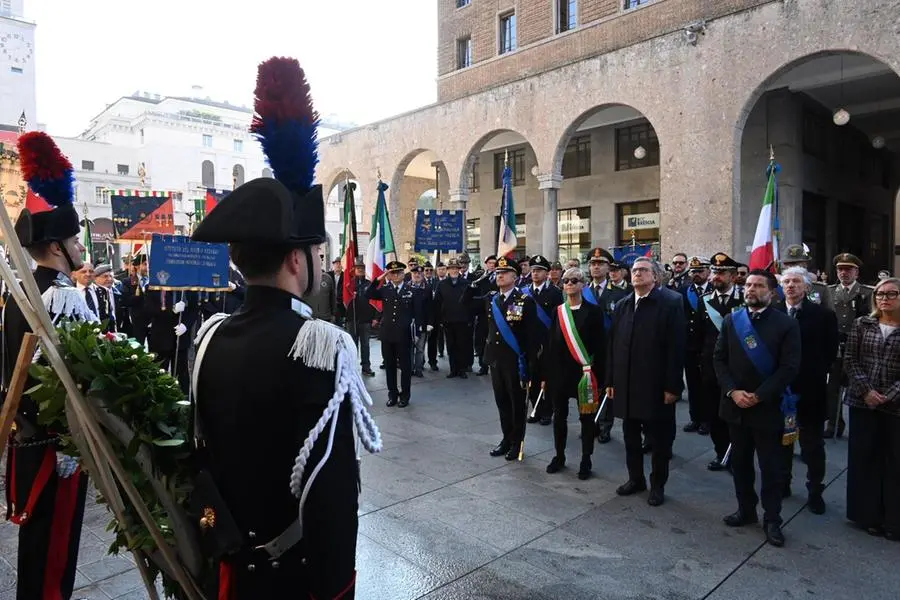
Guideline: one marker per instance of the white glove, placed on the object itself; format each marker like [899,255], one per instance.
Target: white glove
[180,329]
[232,286]
[179,307]
[65,465]
[428,328]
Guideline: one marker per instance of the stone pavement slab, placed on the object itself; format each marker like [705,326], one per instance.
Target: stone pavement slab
[442,520]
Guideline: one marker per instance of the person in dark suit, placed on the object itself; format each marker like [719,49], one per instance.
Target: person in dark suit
[723,299]
[172,316]
[452,308]
[134,299]
[396,332]
[696,319]
[618,276]
[512,321]
[436,337]
[111,309]
[485,285]
[751,404]
[564,368]
[819,345]
[422,327]
[645,362]
[546,298]
[360,314]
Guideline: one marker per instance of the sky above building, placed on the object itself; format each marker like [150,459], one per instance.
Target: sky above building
[365,60]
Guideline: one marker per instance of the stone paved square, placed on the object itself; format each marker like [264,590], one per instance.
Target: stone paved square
[442,520]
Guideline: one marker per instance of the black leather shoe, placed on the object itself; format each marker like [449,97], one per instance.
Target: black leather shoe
[716,465]
[434,368]
[892,536]
[631,487]
[816,504]
[483,371]
[532,419]
[603,437]
[774,535]
[381,366]
[513,452]
[829,432]
[500,449]
[703,429]
[646,448]
[691,427]
[546,421]
[463,375]
[418,374]
[440,355]
[656,497]
[739,519]
[391,402]
[584,469]
[404,402]
[452,375]
[556,463]
[369,373]
[840,429]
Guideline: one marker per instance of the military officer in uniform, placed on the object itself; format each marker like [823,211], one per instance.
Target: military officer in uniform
[271,367]
[546,298]
[797,255]
[513,342]
[680,278]
[525,267]
[399,314]
[556,271]
[698,270]
[851,300]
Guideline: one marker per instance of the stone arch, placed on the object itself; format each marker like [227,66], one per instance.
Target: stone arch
[267,172]
[818,204]
[416,172]
[208,174]
[237,175]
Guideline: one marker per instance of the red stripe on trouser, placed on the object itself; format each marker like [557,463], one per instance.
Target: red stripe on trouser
[343,593]
[58,552]
[227,584]
[40,482]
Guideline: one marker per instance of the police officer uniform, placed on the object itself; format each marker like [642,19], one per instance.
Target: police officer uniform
[546,297]
[269,371]
[518,324]
[796,255]
[850,303]
[693,298]
[485,285]
[400,312]
[525,278]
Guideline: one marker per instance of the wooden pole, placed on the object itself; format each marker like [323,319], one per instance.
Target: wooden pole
[16,387]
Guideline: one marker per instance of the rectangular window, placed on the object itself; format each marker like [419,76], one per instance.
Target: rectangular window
[577,159]
[638,218]
[87,165]
[464,52]
[574,225]
[207,141]
[566,15]
[520,233]
[142,136]
[238,145]
[16,70]
[516,163]
[634,141]
[508,34]
[122,169]
[473,240]
[636,3]
[474,176]
[461,3]
[101,196]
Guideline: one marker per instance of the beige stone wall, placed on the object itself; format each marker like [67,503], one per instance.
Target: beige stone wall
[404,226]
[697,98]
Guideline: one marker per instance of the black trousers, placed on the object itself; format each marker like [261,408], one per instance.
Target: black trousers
[696,402]
[480,339]
[770,454]
[836,379]
[560,406]
[435,344]
[812,450]
[718,429]
[660,434]
[361,334]
[545,407]
[392,352]
[49,537]
[510,398]
[873,469]
[459,346]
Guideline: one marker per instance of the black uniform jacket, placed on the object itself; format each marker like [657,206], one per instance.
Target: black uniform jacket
[257,406]
[646,355]
[710,331]
[520,313]
[781,335]
[400,310]
[562,371]
[451,304]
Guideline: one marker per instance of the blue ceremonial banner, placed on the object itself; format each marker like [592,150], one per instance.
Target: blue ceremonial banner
[627,254]
[439,230]
[179,263]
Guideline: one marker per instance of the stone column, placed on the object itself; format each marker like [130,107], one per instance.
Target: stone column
[549,185]
[459,199]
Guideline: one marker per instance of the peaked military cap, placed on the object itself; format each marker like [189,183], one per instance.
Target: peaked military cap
[413,260]
[103,269]
[359,263]
[525,260]
[795,253]
[453,262]
[698,262]
[428,264]
[722,262]
[507,264]
[616,265]
[539,262]
[491,257]
[395,265]
[441,264]
[600,255]
[556,266]
[463,258]
[847,260]
[139,259]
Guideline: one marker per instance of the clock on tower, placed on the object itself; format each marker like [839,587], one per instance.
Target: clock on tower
[15,49]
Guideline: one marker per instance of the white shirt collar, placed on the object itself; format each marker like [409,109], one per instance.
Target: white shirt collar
[639,297]
[539,288]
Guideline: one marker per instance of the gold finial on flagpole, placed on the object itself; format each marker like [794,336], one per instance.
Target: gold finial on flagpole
[771,152]
[378,172]
[506,158]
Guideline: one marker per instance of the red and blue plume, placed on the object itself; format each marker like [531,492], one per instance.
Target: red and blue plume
[285,122]
[48,173]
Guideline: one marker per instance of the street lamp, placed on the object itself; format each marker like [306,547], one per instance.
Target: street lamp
[640,153]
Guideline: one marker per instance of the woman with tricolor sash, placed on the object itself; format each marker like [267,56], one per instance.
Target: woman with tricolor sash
[576,355]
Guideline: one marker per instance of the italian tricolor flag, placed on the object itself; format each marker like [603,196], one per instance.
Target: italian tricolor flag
[381,241]
[763,254]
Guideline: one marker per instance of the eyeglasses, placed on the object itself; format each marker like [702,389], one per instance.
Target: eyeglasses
[679,262]
[571,280]
[891,295]
[641,270]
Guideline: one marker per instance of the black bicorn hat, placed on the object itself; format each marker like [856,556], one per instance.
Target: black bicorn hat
[289,209]
[508,264]
[600,255]
[540,262]
[722,262]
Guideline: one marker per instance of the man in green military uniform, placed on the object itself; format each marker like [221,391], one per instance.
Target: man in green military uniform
[851,301]
[797,255]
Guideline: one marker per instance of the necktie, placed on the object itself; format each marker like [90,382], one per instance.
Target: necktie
[792,312]
[637,303]
[755,316]
[89,298]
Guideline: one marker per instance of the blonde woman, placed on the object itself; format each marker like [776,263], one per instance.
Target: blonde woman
[872,364]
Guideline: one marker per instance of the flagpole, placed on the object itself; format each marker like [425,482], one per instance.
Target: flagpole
[776,223]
